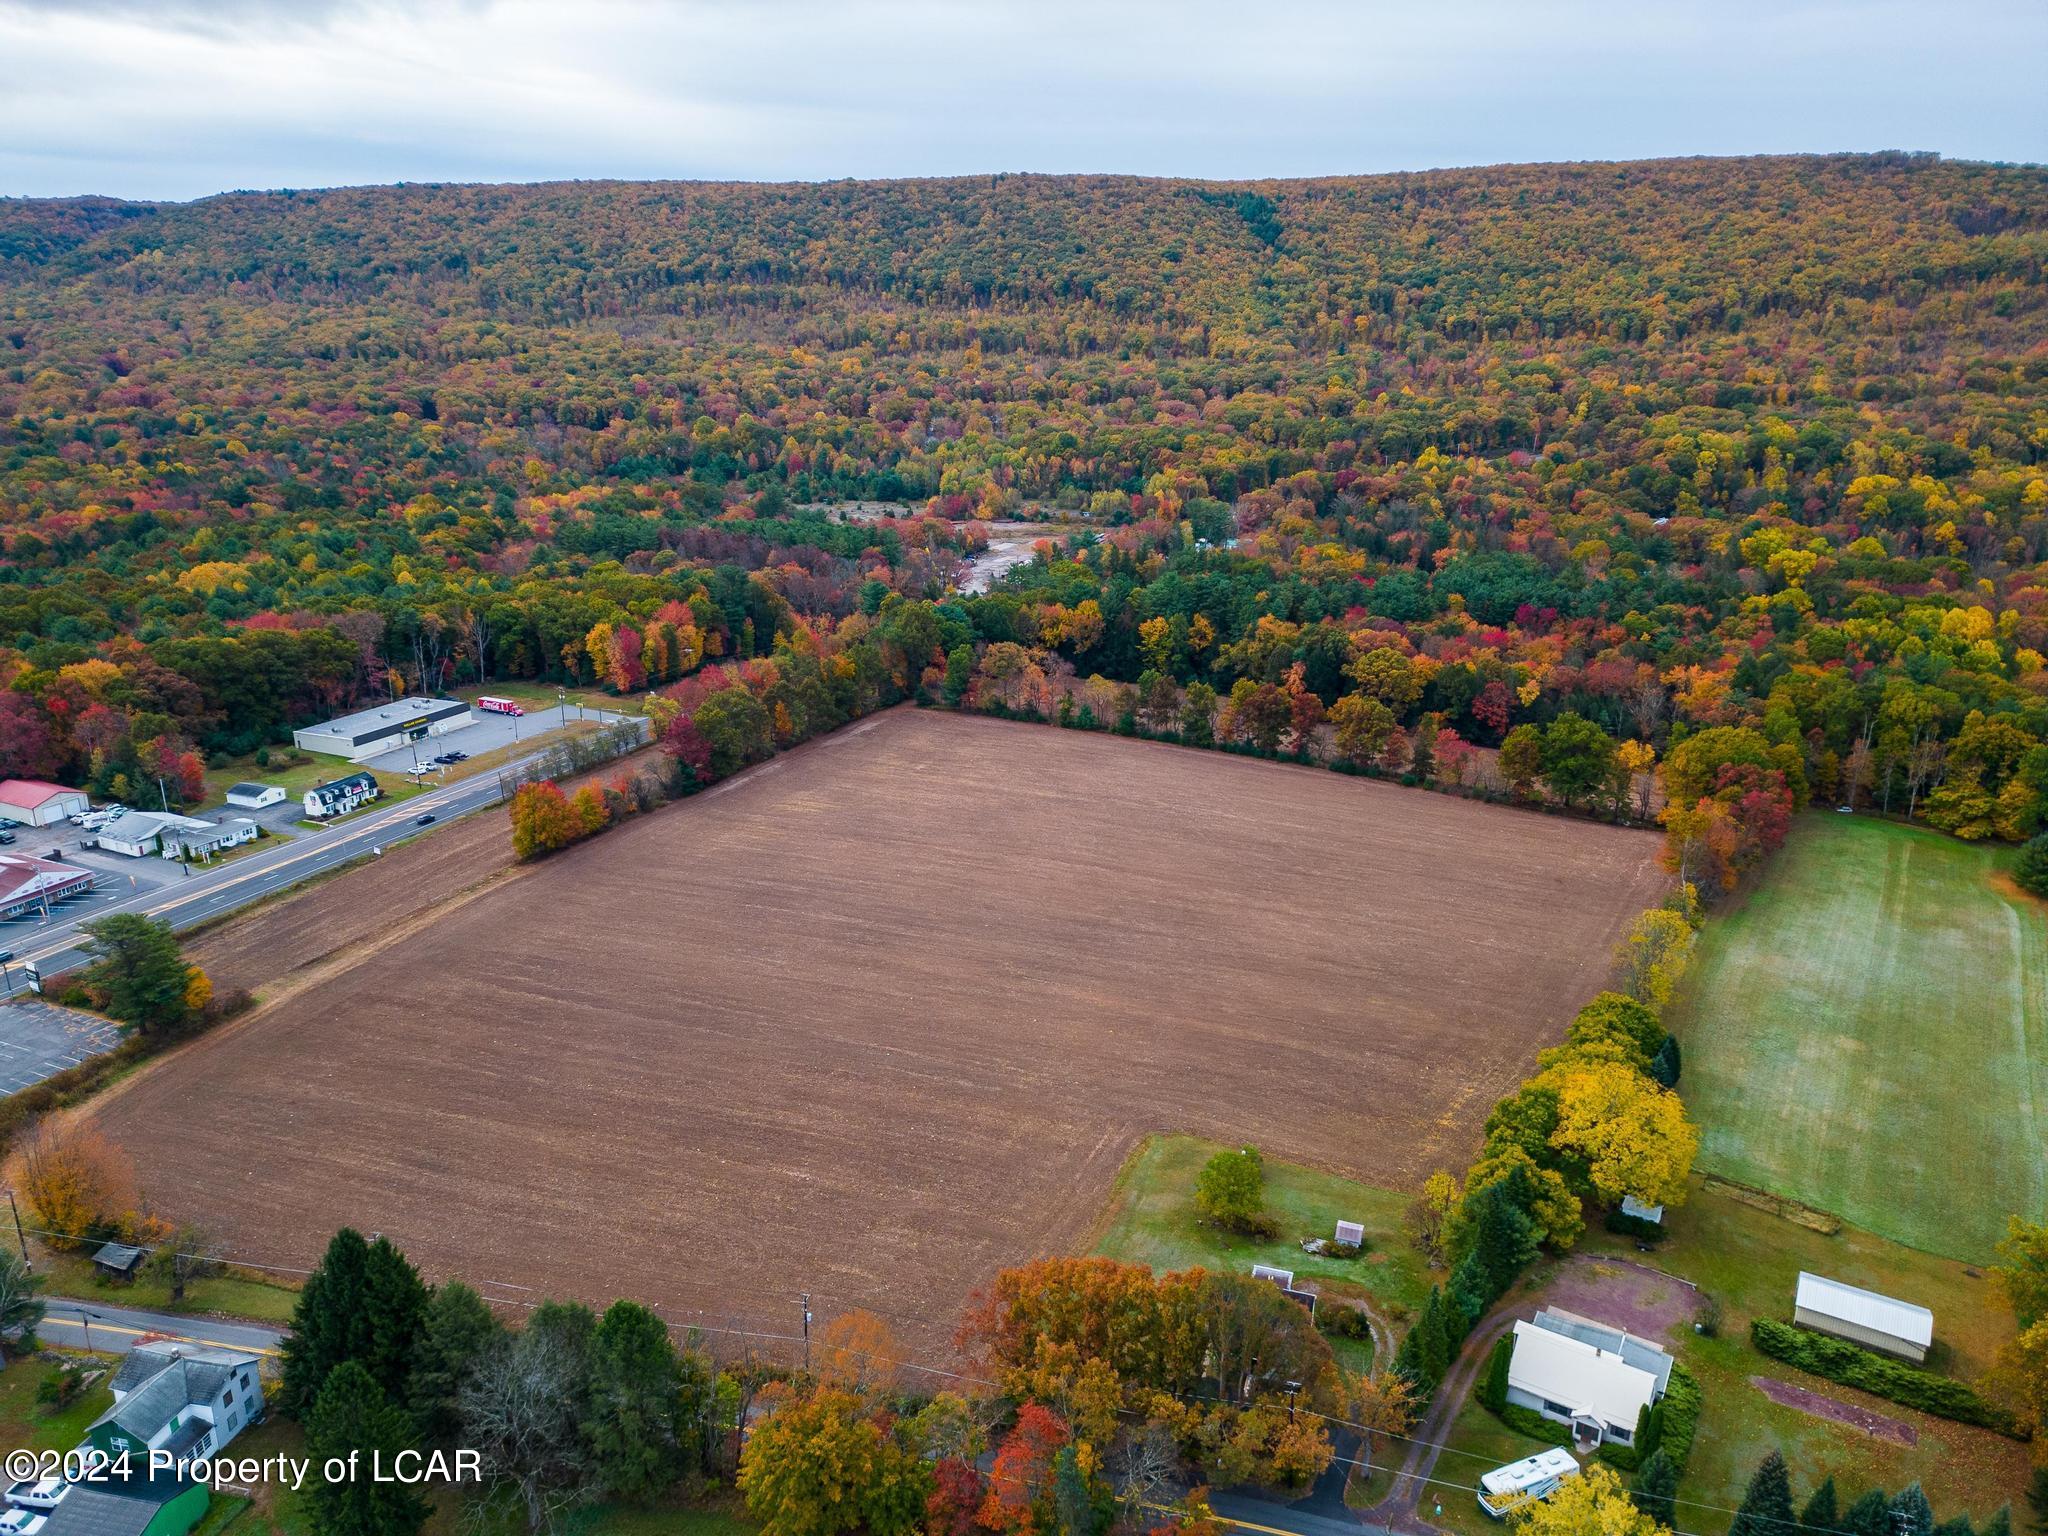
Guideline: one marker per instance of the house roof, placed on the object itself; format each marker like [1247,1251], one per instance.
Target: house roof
[22,875]
[383,718]
[342,784]
[32,792]
[90,1511]
[1631,1206]
[147,1408]
[250,787]
[1585,1380]
[206,1367]
[1866,1309]
[1640,1353]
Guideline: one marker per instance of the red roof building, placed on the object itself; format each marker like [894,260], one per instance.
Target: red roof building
[36,803]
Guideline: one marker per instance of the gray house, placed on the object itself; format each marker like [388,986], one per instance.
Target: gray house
[186,1399]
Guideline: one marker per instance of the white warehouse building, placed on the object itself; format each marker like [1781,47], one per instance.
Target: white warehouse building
[368,732]
[1863,1317]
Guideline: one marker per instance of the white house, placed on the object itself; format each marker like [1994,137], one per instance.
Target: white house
[136,833]
[35,803]
[1596,1379]
[187,1399]
[1863,1317]
[339,796]
[209,838]
[255,797]
[368,732]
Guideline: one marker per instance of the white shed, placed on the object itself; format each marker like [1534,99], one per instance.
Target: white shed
[255,797]
[1863,1317]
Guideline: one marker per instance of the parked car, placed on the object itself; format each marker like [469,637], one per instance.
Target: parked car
[6,838]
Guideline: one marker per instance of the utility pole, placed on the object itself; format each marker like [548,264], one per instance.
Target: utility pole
[807,1332]
[19,1237]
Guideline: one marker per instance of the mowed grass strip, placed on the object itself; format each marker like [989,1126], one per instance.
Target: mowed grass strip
[1868,1034]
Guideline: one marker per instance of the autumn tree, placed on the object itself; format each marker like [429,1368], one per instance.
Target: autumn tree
[542,820]
[1633,1136]
[1363,724]
[77,1183]
[858,1352]
[1654,955]
[822,1464]
[1592,1504]
[1521,759]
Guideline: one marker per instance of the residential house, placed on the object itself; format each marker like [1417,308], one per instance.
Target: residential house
[340,796]
[187,1399]
[1595,1379]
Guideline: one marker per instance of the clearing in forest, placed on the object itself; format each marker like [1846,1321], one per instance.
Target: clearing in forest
[1868,1033]
[887,1013]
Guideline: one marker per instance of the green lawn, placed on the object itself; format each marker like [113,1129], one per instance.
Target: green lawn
[1749,1260]
[1477,1443]
[26,1425]
[1868,1033]
[235,1294]
[1151,1220]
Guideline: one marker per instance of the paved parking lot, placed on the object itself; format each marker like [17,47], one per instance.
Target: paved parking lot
[39,1039]
[488,734]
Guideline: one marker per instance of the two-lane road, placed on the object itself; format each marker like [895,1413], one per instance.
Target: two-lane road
[53,945]
[113,1330]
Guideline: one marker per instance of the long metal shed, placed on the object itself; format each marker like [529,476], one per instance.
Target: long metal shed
[1863,1317]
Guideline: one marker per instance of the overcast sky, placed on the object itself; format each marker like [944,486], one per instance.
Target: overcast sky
[183,98]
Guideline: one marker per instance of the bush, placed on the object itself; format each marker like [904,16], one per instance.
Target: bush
[2031,873]
[1680,1416]
[1342,1322]
[1493,1386]
[1867,1371]
[1625,1225]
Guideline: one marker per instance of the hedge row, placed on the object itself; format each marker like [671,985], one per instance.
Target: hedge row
[1867,1371]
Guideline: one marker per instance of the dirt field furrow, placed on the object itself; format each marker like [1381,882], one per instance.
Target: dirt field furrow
[889,1016]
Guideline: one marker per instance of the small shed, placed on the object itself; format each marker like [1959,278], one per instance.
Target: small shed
[119,1260]
[251,796]
[1653,1214]
[1877,1322]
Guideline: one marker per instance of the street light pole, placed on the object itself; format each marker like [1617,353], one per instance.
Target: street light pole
[19,1236]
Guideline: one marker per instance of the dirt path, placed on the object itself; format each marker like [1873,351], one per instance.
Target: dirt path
[1397,1511]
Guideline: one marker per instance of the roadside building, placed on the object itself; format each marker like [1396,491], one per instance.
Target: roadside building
[119,1261]
[135,833]
[136,1499]
[34,803]
[1863,1317]
[251,796]
[340,796]
[27,883]
[1594,1379]
[209,838]
[190,1399]
[368,732]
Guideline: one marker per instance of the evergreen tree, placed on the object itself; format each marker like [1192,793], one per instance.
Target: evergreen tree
[2037,1500]
[1767,1507]
[2031,873]
[1962,1525]
[1868,1516]
[353,1416]
[1073,1510]
[459,1327]
[1822,1512]
[1422,1355]
[1668,1062]
[1912,1515]
[1655,1484]
[395,1299]
[633,1420]
[137,961]
[330,1323]
[2000,1524]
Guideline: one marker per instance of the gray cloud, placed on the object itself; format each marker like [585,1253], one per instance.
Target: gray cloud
[182,99]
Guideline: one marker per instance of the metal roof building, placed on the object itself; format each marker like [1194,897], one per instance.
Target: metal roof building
[368,732]
[1598,1393]
[1863,1317]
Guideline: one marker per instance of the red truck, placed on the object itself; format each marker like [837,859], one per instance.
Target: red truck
[494,706]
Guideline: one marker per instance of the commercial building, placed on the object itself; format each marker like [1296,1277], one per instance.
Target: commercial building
[1595,1379]
[255,797]
[34,803]
[1863,1317]
[28,884]
[340,796]
[369,732]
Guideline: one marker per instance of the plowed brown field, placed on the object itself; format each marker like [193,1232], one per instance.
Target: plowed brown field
[887,1013]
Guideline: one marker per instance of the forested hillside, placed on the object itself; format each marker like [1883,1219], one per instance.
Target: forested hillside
[1752,444]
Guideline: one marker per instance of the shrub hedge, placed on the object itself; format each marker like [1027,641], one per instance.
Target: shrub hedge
[1867,1371]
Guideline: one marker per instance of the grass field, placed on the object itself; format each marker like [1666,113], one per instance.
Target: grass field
[26,1425]
[1151,1219]
[1868,1033]
[888,1014]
